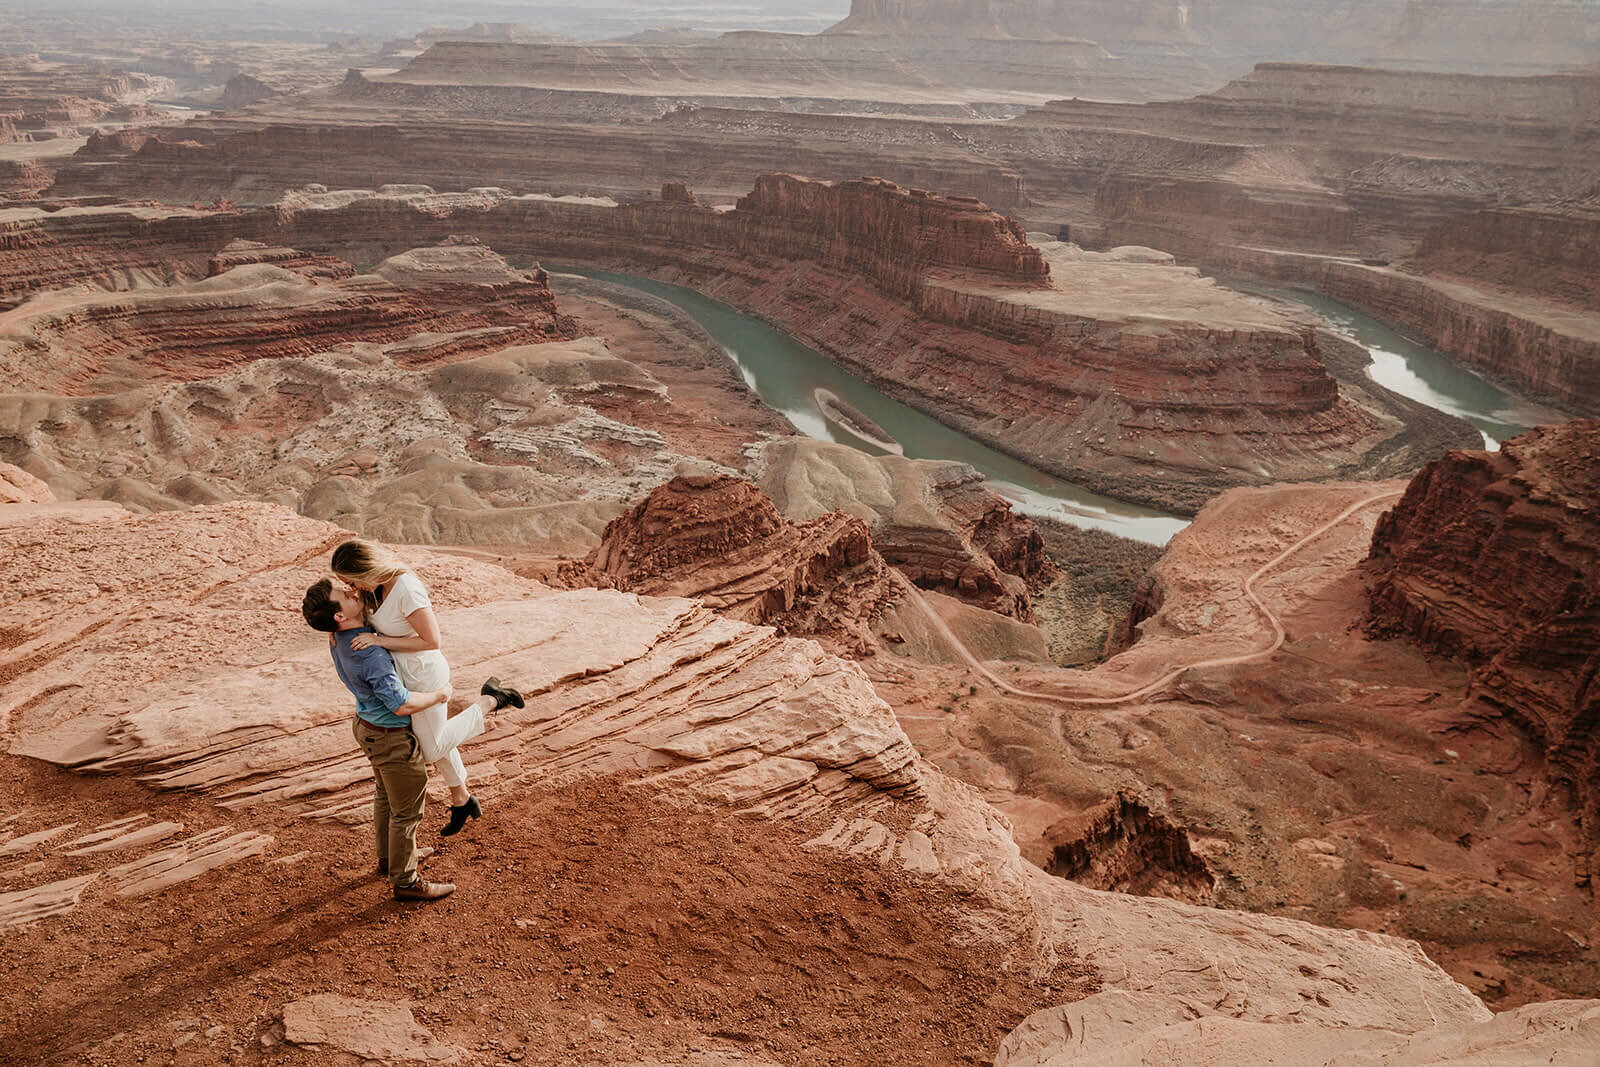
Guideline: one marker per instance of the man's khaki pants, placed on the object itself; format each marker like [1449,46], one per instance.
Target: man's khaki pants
[401,786]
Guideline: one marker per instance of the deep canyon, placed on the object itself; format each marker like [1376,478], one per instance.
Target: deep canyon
[854,732]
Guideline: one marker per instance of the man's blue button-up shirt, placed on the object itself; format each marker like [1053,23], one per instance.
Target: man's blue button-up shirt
[370,676]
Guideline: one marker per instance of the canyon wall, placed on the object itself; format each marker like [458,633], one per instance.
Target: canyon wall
[1536,347]
[443,301]
[935,299]
[720,540]
[1545,251]
[254,162]
[1495,558]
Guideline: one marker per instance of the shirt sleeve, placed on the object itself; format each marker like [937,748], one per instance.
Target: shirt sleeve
[377,670]
[408,595]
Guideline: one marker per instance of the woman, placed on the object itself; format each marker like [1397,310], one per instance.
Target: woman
[399,610]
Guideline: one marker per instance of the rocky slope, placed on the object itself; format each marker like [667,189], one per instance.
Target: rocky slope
[1493,558]
[464,295]
[1538,251]
[1253,747]
[703,711]
[938,523]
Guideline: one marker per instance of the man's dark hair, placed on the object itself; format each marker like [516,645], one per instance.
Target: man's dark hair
[319,608]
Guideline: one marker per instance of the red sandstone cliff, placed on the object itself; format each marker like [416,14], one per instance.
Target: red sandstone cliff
[1495,558]
[240,253]
[874,227]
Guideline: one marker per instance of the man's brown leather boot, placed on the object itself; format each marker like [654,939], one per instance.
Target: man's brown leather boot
[422,889]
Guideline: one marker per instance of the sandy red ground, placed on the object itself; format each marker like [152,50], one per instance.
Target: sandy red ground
[592,924]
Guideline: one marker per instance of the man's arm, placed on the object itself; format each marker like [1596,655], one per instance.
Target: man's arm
[422,698]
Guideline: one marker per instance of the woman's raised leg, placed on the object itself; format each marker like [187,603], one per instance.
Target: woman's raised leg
[429,726]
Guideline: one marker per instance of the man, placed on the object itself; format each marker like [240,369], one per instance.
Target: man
[382,730]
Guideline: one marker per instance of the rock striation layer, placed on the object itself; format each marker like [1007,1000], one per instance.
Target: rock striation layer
[1494,35]
[466,295]
[43,101]
[441,396]
[1495,558]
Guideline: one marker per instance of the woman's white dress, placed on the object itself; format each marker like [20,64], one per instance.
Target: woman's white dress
[436,732]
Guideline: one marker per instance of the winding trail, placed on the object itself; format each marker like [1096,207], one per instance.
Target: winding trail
[1144,690]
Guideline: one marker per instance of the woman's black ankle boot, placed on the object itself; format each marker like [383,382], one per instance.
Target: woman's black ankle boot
[459,814]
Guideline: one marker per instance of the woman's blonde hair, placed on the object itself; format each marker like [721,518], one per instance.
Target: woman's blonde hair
[370,564]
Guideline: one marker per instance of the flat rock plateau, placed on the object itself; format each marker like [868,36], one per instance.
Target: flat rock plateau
[827,755]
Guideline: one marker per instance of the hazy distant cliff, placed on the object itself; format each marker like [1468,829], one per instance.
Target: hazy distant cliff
[1503,36]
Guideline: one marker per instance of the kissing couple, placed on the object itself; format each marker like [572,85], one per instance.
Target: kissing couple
[385,642]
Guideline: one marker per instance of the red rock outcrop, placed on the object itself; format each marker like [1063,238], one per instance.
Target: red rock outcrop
[987,555]
[936,522]
[1495,558]
[243,90]
[719,539]
[17,486]
[892,235]
[53,246]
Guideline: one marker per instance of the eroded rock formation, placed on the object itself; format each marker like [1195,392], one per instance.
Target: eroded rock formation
[936,522]
[1496,36]
[719,539]
[441,397]
[463,297]
[243,90]
[1335,776]
[1495,558]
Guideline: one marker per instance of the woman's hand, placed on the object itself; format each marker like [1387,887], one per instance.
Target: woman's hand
[361,641]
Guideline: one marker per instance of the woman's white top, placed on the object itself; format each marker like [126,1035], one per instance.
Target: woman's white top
[418,670]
